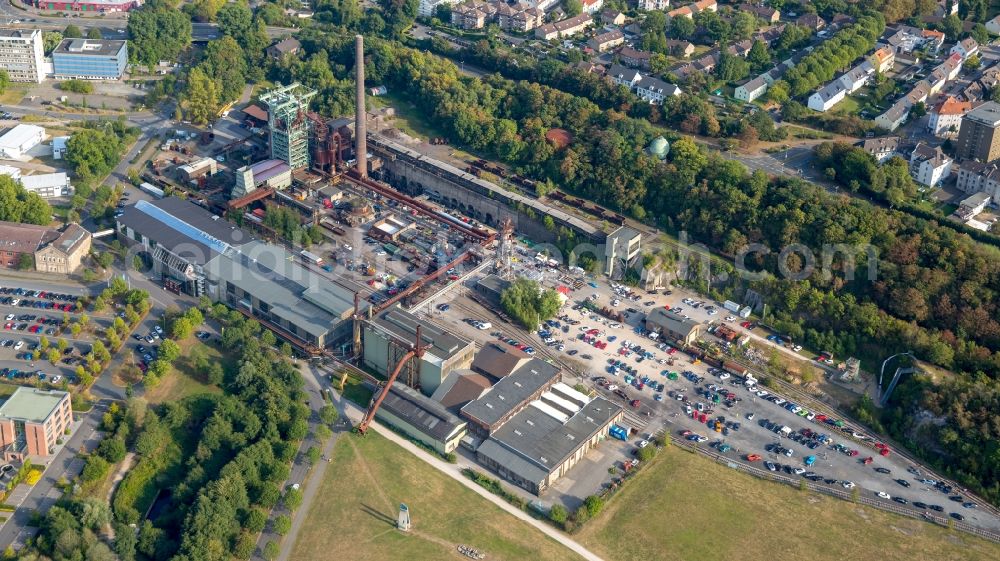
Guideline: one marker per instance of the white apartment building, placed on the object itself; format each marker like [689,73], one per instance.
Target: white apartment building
[929,166]
[650,5]
[21,54]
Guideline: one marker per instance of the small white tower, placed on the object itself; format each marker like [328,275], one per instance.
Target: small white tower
[403,522]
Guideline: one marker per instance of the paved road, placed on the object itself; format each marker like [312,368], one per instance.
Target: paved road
[315,384]
[45,493]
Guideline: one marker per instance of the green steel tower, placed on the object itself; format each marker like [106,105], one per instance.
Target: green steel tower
[287,110]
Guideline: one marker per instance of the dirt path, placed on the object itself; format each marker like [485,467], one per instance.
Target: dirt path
[120,474]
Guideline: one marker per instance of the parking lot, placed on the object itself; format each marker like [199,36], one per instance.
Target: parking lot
[28,316]
[669,391]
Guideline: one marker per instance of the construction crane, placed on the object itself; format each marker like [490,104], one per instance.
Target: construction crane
[416,351]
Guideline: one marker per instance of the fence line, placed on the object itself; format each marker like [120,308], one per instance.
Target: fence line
[838,493]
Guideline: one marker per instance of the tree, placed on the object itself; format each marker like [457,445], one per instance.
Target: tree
[681,28]
[526,302]
[18,205]
[972,63]
[572,7]
[313,455]
[225,62]
[53,357]
[328,414]
[282,525]
[93,153]
[759,57]
[292,499]
[202,97]
[95,468]
[951,26]
[112,449]
[77,86]
[594,505]
[72,32]
[4,80]
[51,40]
[25,262]
[271,550]
[157,31]
[169,350]
[558,514]
[125,542]
[94,33]
[646,454]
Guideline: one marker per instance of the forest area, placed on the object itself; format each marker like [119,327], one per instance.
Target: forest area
[208,467]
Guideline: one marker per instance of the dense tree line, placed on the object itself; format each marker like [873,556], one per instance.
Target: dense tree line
[528,303]
[954,424]
[95,150]
[18,205]
[220,458]
[158,31]
[834,54]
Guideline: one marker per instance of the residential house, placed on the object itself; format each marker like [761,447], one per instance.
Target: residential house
[564,28]
[906,39]
[650,5]
[612,17]
[740,48]
[591,6]
[857,77]
[288,46]
[993,26]
[691,9]
[682,12]
[752,89]
[979,177]
[933,39]
[606,41]
[518,17]
[827,96]
[945,118]
[702,5]
[881,148]
[882,59]
[812,21]
[966,48]
[929,166]
[627,77]
[654,90]
[893,117]
[942,73]
[680,48]
[473,14]
[634,58]
[765,13]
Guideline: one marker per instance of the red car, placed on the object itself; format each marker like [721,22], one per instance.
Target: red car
[671,351]
[745,325]
[635,403]
[593,331]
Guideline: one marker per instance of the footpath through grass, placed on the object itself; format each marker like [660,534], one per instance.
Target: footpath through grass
[354,514]
[686,507]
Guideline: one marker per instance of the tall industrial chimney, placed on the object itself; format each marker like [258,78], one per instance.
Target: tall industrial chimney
[360,132]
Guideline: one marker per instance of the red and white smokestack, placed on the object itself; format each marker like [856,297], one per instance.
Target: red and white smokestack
[360,132]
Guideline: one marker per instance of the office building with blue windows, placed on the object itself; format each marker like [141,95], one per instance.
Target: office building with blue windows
[90,59]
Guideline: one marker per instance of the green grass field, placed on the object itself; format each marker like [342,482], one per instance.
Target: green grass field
[182,380]
[354,514]
[686,507]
